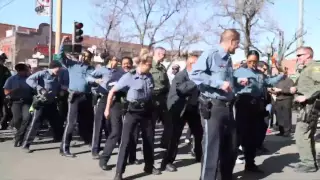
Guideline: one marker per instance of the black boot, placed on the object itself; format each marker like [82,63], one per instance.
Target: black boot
[66,152]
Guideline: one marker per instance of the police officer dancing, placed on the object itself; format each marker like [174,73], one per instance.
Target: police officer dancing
[213,73]
[140,85]
[80,99]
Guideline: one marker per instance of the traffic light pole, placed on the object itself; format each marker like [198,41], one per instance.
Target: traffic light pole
[50,31]
[58,25]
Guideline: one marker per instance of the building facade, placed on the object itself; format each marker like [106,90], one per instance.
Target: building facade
[21,43]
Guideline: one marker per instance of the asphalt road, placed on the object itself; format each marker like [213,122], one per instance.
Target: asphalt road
[45,163]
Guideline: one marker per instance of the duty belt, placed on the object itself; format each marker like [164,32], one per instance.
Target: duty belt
[219,102]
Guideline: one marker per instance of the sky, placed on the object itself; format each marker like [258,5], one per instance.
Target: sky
[285,12]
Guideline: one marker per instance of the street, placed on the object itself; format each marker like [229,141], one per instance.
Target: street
[45,163]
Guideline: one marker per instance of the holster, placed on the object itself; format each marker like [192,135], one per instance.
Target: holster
[314,113]
[205,106]
[139,106]
[7,101]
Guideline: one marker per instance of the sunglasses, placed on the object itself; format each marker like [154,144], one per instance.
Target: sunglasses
[250,62]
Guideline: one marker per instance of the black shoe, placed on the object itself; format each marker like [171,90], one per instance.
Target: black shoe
[67,154]
[95,155]
[104,165]
[262,150]
[17,143]
[169,168]
[287,134]
[26,149]
[305,169]
[136,162]
[118,176]
[253,168]
[280,134]
[152,170]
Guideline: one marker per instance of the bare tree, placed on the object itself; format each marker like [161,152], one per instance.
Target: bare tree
[149,17]
[5,3]
[185,34]
[111,14]
[246,17]
[284,46]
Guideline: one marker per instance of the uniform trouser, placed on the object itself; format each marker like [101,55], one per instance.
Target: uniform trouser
[100,123]
[249,122]
[131,120]
[63,106]
[262,127]
[305,142]
[160,113]
[6,118]
[48,111]
[133,144]
[115,119]
[81,110]
[21,118]
[219,143]
[194,121]
[283,111]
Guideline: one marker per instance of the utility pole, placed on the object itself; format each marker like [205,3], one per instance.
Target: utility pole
[301,23]
[50,31]
[58,25]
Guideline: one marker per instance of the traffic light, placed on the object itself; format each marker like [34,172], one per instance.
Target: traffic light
[78,32]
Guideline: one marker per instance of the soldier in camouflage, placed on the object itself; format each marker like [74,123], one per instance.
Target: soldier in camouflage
[307,84]
[161,89]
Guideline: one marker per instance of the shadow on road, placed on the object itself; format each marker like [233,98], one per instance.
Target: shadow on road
[275,143]
[274,164]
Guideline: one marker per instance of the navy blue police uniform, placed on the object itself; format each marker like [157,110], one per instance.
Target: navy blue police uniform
[213,68]
[249,106]
[20,97]
[109,77]
[139,95]
[47,85]
[80,102]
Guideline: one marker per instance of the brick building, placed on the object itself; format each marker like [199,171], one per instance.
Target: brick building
[20,43]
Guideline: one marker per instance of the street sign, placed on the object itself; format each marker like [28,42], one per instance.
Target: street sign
[43,7]
[32,62]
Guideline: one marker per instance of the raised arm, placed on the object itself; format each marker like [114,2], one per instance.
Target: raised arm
[63,59]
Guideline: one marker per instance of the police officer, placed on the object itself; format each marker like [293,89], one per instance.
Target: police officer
[183,106]
[140,84]
[80,99]
[106,77]
[160,92]
[20,94]
[307,84]
[250,106]
[47,84]
[4,75]
[213,73]
[127,65]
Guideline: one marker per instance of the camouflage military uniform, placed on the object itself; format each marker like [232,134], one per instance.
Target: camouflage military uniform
[161,89]
[307,84]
